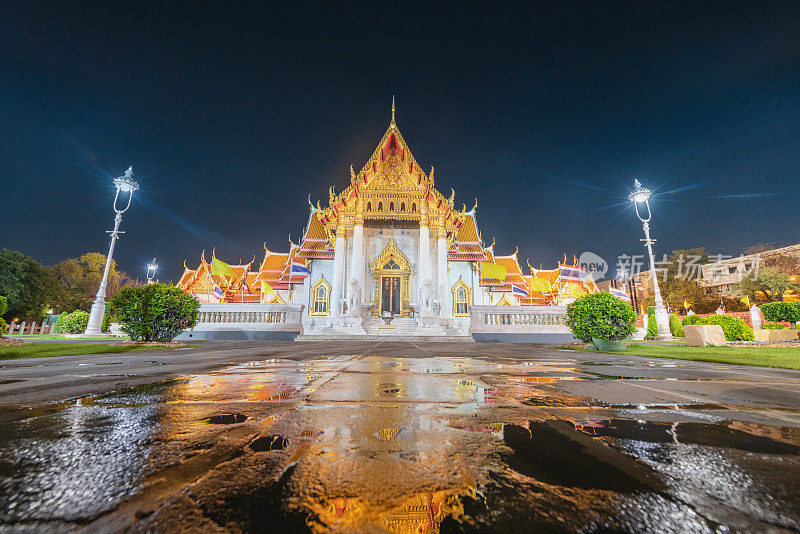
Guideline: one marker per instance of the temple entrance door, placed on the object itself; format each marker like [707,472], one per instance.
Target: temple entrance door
[390,294]
[390,274]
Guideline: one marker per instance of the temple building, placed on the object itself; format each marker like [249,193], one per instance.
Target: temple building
[389,253]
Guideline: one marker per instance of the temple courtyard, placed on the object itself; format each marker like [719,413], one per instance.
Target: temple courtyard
[230,436]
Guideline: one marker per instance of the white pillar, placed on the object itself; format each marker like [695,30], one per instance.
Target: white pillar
[357,260]
[424,256]
[442,283]
[338,271]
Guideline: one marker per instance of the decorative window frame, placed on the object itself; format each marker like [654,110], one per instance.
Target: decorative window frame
[312,308]
[461,284]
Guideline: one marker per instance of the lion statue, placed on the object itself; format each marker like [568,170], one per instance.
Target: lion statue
[426,296]
[353,298]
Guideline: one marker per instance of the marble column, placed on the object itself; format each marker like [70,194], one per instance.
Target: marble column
[442,289]
[338,271]
[423,258]
[357,257]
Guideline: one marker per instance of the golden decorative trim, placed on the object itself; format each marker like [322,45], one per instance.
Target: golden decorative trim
[391,252]
[461,284]
[327,312]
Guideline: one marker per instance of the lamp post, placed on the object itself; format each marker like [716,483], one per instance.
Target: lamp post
[124,184]
[151,271]
[640,195]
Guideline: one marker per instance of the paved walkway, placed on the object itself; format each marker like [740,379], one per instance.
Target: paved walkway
[647,380]
[394,437]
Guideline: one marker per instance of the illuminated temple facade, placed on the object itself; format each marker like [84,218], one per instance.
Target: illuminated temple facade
[389,243]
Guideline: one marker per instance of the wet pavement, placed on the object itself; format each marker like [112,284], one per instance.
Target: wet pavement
[377,439]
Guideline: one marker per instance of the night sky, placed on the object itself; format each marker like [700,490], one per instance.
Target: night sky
[232,115]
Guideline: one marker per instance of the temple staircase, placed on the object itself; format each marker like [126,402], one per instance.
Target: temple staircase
[400,329]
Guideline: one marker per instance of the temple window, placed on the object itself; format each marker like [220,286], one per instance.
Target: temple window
[380,206]
[402,206]
[414,207]
[462,296]
[321,297]
[369,206]
[391,206]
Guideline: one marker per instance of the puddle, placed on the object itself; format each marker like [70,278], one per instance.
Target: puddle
[395,445]
[268,443]
[226,419]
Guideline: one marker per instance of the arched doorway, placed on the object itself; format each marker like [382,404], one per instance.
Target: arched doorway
[390,273]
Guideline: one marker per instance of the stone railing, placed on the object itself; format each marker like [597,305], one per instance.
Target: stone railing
[249,316]
[519,319]
[24,328]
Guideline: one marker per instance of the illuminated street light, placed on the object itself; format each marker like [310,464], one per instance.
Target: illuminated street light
[124,184]
[151,271]
[640,196]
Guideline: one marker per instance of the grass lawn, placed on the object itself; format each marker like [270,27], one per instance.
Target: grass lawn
[46,350]
[58,336]
[780,357]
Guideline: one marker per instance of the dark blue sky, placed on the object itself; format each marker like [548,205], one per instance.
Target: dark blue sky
[232,116]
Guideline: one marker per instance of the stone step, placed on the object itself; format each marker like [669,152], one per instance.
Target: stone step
[386,338]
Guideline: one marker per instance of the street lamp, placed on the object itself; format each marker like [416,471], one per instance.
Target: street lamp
[151,271]
[124,184]
[640,195]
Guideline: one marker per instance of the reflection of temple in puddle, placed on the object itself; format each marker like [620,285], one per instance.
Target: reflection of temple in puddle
[421,514]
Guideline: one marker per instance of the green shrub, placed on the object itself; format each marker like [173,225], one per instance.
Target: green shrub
[601,316]
[3,310]
[108,317]
[72,323]
[735,329]
[691,319]
[773,326]
[782,311]
[651,310]
[675,326]
[652,326]
[155,312]
[58,328]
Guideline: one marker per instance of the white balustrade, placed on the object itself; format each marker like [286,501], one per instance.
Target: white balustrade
[249,316]
[518,319]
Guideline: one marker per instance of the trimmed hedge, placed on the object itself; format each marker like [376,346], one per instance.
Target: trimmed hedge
[782,311]
[601,316]
[155,312]
[734,328]
[675,326]
[71,323]
[773,326]
[652,326]
[3,310]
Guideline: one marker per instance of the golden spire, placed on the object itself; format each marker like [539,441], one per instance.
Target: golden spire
[392,124]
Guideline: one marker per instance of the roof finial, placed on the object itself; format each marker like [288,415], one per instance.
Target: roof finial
[392,124]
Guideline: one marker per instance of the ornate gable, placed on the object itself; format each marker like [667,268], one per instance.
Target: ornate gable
[391,185]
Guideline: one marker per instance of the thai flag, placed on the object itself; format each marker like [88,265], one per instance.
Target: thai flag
[571,272]
[298,269]
[619,293]
[246,287]
[519,291]
[218,292]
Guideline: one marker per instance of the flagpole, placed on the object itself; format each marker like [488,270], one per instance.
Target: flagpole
[208,286]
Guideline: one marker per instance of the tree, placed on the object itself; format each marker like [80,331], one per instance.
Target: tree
[769,285]
[28,285]
[81,277]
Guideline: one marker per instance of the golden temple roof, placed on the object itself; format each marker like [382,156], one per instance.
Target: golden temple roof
[391,176]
